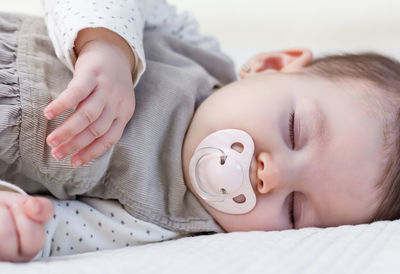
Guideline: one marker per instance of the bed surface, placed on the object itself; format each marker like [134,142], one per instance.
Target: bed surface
[370,248]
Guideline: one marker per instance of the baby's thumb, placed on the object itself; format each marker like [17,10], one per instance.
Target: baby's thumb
[38,209]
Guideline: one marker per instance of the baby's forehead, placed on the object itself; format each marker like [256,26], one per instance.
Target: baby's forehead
[366,95]
[380,104]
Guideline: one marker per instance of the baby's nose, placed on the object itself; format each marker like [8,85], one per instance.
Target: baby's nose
[267,174]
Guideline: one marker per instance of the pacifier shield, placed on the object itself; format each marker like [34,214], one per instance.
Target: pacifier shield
[219,172]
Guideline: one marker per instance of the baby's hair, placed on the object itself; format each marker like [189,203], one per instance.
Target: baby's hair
[382,73]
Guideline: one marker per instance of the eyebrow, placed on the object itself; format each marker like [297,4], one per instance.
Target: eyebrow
[320,128]
[321,133]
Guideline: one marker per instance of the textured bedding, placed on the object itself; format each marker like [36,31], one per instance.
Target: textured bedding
[373,248]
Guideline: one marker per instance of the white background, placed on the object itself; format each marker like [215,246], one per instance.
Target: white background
[245,27]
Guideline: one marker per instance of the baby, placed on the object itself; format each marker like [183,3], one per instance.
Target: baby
[322,136]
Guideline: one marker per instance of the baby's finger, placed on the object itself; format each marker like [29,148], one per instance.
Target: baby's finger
[78,89]
[86,113]
[87,136]
[38,209]
[31,234]
[8,235]
[99,146]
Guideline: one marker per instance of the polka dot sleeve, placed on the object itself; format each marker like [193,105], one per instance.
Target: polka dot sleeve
[128,18]
[91,224]
[65,18]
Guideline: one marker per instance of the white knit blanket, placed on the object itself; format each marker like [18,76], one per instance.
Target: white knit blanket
[373,248]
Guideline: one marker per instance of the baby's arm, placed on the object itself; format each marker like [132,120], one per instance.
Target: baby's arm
[31,224]
[22,219]
[102,92]
[102,86]
[85,131]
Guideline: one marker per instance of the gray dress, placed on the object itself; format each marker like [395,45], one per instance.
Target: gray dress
[143,171]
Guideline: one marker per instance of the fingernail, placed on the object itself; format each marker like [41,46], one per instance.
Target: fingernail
[54,143]
[49,115]
[34,205]
[78,163]
[58,155]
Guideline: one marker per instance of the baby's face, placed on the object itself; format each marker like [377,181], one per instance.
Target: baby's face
[332,168]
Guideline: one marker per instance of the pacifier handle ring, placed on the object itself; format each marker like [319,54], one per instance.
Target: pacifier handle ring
[205,194]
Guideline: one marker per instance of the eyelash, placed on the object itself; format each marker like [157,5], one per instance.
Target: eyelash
[291,210]
[291,130]
[292,141]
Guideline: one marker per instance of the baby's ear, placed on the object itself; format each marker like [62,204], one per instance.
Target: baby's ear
[286,61]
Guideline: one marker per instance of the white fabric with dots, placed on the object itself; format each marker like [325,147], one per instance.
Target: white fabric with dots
[65,18]
[91,224]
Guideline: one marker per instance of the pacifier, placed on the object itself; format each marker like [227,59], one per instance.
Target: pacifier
[219,171]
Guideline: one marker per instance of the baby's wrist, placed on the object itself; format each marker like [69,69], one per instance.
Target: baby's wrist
[88,35]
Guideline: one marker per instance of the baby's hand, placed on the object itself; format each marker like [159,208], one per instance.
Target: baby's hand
[102,90]
[22,220]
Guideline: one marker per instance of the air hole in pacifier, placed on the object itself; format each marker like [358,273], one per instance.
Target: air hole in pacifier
[222,160]
[240,199]
[223,191]
[238,147]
